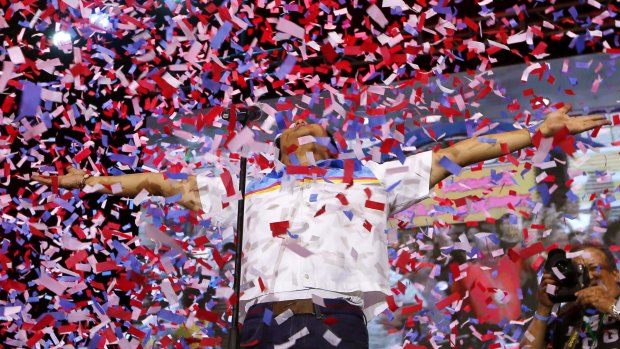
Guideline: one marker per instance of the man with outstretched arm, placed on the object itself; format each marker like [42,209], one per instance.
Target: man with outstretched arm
[315,245]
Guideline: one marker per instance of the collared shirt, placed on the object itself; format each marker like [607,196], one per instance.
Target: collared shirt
[320,227]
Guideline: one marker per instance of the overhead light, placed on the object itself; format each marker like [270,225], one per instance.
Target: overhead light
[62,40]
[100,20]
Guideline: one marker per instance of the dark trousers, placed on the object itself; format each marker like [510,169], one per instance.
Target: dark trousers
[345,321]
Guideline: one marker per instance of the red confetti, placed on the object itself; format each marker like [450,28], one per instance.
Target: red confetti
[279,228]
[453,297]
[375,205]
[342,198]
[228,183]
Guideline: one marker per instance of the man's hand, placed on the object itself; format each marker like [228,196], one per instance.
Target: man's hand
[544,302]
[598,297]
[71,180]
[397,322]
[559,119]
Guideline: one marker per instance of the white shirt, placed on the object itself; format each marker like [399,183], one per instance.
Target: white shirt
[313,233]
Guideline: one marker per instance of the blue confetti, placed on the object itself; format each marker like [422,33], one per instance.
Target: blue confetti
[349,214]
[267,316]
[173,175]
[31,98]
[221,35]
[450,166]
[487,140]
[173,198]
[286,67]
[391,187]
[170,316]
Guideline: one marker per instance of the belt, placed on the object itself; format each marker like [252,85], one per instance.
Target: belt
[303,306]
[297,306]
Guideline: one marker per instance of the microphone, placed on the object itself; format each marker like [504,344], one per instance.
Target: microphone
[244,114]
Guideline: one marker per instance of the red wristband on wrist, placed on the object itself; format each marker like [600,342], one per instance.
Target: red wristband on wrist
[83,181]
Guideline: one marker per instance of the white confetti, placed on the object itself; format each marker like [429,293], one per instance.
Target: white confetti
[16,55]
[284,316]
[332,338]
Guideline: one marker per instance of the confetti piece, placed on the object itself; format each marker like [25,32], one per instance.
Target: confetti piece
[279,228]
[287,314]
[376,15]
[171,296]
[53,285]
[450,166]
[245,136]
[286,67]
[487,140]
[291,28]
[221,35]
[453,297]
[72,3]
[410,309]
[228,183]
[295,247]
[117,188]
[526,73]
[375,205]
[7,70]
[31,99]
[16,55]
[557,273]
[331,338]
[267,317]
[306,139]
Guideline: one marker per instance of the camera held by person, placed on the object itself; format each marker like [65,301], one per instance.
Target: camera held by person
[569,275]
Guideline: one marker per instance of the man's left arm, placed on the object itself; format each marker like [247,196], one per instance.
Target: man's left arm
[599,297]
[471,151]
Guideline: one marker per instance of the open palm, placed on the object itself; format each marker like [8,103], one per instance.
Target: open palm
[559,119]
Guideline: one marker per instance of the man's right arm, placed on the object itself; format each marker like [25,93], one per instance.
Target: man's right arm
[534,337]
[131,185]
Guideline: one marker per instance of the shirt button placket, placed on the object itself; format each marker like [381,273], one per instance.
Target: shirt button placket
[302,196]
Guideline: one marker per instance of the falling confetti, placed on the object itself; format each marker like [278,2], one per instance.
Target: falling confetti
[142,86]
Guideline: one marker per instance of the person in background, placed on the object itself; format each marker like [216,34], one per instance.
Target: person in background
[593,320]
[421,292]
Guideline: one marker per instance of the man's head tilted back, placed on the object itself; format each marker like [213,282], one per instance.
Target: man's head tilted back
[288,141]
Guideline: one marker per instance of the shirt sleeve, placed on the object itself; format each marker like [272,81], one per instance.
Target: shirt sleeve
[405,183]
[212,192]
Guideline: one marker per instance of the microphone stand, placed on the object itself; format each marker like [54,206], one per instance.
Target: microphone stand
[234,333]
[244,117]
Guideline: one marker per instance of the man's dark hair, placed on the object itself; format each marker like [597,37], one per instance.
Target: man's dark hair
[610,260]
[332,141]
